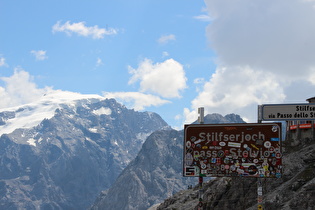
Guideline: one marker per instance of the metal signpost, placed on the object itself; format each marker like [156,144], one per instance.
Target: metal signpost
[233,150]
[201,121]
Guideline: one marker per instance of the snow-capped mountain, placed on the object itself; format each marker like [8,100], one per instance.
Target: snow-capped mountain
[61,151]
[30,115]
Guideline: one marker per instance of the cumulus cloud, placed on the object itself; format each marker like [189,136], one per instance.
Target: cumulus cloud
[166,38]
[275,36]
[166,79]
[19,89]
[81,29]
[39,54]
[245,83]
[262,48]
[238,89]
[136,100]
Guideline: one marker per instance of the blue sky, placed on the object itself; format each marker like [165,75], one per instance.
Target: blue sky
[166,56]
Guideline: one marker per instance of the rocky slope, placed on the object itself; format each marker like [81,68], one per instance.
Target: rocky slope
[295,190]
[156,172]
[60,154]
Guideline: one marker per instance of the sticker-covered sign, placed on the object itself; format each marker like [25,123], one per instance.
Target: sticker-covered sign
[251,150]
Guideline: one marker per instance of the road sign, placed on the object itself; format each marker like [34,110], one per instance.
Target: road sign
[251,150]
[274,112]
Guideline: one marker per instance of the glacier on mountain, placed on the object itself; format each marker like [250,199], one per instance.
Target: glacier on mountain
[30,115]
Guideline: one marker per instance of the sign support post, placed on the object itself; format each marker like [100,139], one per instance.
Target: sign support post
[201,121]
[259,194]
[259,183]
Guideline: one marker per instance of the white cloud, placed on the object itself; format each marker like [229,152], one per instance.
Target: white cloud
[165,54]
[81,29]
[99,62]
[262,48]
[2,62]
[190,116]
[136,100]
[39,54]
[205,18]
[274,36]
[238,90]
[19,89]
[166,79]
[199,80]
[166,38]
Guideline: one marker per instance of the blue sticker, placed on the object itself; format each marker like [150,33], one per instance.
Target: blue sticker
[274,139]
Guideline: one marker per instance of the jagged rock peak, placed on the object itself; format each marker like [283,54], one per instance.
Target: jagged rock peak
[216,118]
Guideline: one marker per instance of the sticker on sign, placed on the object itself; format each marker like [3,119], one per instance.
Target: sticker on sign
[217,150]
